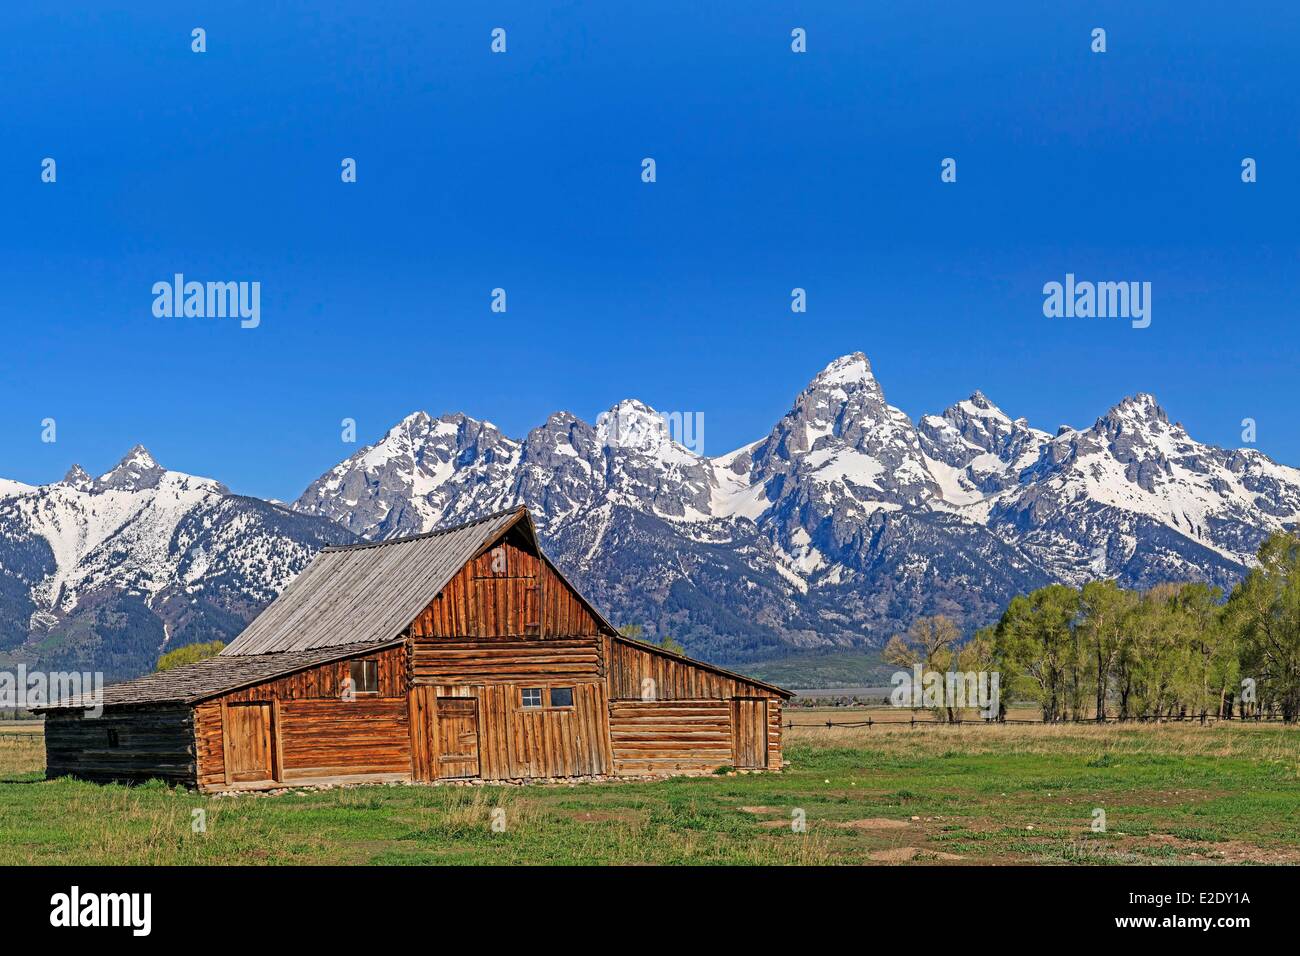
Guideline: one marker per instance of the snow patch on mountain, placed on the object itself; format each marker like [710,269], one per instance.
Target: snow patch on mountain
[140,550]
[839,526]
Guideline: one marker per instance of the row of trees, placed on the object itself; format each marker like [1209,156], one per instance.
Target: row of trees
[1173,650]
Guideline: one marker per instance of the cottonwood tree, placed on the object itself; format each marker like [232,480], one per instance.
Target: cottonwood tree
[1103,607]
[979,655]
[1174,650]
[1035,639]
[930,642]
[1210,650]
[1264,609]
[189,654]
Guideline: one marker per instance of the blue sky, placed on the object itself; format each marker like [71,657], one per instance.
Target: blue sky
[522,170]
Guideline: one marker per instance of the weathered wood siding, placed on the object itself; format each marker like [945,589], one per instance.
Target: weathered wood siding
[516,742]
[509,591]
[665,736]
[669,714]
[672,678]
[508,621]
[325,738]
[125,745]
[326,680]
[315,732]
[478,662]
[774,733]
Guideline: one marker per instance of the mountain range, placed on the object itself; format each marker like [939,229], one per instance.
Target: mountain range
[836,529]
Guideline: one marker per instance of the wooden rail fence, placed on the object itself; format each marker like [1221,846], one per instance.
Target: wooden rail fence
[868,723]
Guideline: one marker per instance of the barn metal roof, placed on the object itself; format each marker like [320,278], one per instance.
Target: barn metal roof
[364,593]
[191,683]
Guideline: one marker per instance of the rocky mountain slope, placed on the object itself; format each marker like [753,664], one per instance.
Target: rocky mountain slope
[837,528]
[844,522]
[105,573]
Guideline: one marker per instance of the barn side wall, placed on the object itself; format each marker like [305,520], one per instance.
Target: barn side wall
[315,733]
[669,736]
[669,715]
[774,738]
[514,741]
[122,745]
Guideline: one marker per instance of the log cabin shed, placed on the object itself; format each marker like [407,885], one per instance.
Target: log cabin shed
[462,653]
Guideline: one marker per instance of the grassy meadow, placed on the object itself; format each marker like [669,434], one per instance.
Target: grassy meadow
[1228,793]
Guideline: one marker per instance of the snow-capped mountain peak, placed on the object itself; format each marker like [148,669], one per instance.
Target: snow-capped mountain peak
[136,471]
[976,450]
[421,472]
[1160,504]
[76,477]
[633,425]
[99,572]
[852,370]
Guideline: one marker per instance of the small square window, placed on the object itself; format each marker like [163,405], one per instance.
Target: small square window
[531,696]
[561,696]
[365,677]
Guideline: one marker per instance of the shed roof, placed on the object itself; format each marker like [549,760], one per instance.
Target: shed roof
[363,593]
[191,683]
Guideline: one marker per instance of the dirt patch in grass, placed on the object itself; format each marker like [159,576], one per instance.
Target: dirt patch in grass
[1224,851]
[907,854]
[872,823]
[869,823]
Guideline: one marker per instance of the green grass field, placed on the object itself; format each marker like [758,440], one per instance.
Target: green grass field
[959,795]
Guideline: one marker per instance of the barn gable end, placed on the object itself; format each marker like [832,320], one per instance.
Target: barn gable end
[511,654]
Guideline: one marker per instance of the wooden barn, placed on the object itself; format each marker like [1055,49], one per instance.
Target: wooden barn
[461,653]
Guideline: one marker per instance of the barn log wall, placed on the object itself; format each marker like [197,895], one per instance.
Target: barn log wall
[477,662]
[154,742]
[664,736]
[317,733]
[209,746]
[672,715]
[326,738]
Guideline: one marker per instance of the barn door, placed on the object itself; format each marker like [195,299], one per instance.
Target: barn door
[457,737]
[422,703]
[749,723]
[248,743]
